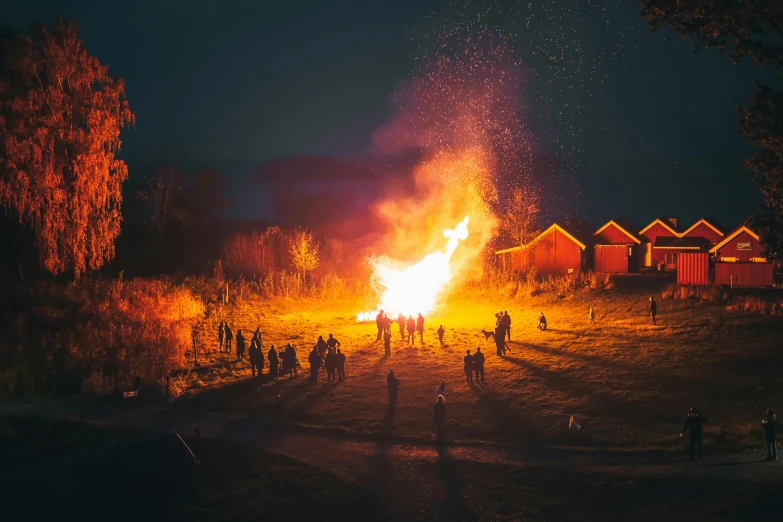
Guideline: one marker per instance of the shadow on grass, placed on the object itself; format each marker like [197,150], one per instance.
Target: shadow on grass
[454,507]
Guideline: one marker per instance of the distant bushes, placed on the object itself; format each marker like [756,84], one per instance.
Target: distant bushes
[94,335]
[761,301]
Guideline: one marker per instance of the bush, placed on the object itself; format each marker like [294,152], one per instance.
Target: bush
[61,337]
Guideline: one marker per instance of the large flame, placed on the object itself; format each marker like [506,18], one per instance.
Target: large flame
[415,289]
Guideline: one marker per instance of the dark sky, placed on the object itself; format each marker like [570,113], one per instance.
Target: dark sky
[234,84]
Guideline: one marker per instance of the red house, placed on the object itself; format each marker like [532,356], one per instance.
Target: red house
[705,228]
[555,250]
[740,261]
[658,228]
[616,249]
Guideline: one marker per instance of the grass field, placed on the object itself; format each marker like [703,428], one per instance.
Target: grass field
[627,382]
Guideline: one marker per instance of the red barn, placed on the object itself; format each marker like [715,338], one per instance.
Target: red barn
[658,228]
[705,228]
[554,250]
[740,261]
[616,249]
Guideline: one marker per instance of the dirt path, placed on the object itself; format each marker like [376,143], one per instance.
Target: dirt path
[410,477]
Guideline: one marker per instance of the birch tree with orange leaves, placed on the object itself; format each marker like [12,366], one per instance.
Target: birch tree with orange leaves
[60,120]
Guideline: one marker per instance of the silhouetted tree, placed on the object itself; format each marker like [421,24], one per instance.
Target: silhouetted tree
[304,252]
[755,29]
[166,199]
[60,120]
[521,215]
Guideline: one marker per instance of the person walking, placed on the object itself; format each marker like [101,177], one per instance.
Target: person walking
[505,322]
[467,363]
[420,327]
[331,365]
[340,359]
[387,343]
[401,322]
[240,345]
[591,315]
[274,361]
[315,363]
[411,325]
[440,418]
[653,310]
[392,383]
[229,338]
[440,390]
[478,364]
[770,425]
[441,331]
[694,423]
[221,336]
[380,321]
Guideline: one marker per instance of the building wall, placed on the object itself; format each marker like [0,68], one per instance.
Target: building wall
[611,259]
[743,274]
[612,235]
[743,247]
[693,268]
[656,257]
[706,232]
[555,252]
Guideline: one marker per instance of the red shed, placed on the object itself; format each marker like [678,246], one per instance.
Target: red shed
[740,261]
[616,249]
[693,268]
[705,228]
[658,228]
[669,248]
[554,250]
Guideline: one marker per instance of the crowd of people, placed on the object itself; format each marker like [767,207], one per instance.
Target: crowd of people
[327,354]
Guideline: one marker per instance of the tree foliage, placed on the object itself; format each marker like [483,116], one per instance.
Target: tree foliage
[304,251]
[752,28]
[165,199]
[60,120]
[521,216]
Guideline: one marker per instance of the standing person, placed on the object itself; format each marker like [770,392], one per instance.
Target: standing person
[694,423]
[290,360]
[498,319]
[440,390]
[387,343]
[420,327]
[541,321]
[340,358]
[478,364]
[253,356]
[331,365]
[387,322]
[653,310]
[467,363]
[441,331]
[770,425]
[240,345]
[411,325]
[440,418]
[257,337]
[221,336]
[274,361]
[505,322]
[315,362]
[591,315]
[500,341]
[229,338]
[392,383]
[321,346]
[332,343]
[380,322]
[401,322]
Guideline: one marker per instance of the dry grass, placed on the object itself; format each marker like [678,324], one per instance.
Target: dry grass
[627,382]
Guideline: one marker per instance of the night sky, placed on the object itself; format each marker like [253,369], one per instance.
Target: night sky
[649,127]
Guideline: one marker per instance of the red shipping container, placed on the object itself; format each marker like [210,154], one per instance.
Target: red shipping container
[693,268]
[743,274]
[611,259]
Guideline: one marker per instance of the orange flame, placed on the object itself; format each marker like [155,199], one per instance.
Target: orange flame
[415,289]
